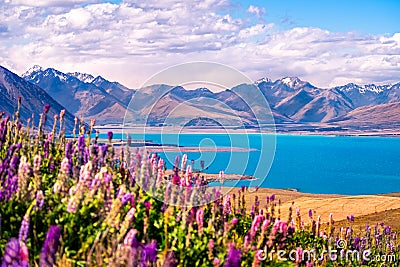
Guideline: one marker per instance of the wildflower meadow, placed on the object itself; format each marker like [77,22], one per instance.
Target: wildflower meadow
[81,201]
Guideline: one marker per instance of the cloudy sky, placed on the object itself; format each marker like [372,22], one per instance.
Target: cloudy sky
[325,42]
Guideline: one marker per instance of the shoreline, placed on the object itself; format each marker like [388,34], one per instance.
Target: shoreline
[393,133]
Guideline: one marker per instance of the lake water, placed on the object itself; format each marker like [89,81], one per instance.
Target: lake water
[314,164]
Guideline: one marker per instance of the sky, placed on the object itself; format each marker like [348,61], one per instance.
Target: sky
[327,43]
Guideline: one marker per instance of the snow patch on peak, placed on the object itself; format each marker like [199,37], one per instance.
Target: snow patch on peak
[265,79]
[32,70]
[83,77]
[291,81]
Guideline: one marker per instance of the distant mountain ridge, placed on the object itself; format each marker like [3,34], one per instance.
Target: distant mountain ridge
[33,99]
[83,94]
[291,100]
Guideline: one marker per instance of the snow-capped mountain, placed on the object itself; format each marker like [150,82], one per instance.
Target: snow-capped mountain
[84,77]
[33,99]
[82,94]
[290,99]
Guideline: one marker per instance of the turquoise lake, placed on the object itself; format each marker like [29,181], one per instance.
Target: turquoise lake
[313,164]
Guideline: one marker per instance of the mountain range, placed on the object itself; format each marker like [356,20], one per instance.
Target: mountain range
[33,99]
[291,101]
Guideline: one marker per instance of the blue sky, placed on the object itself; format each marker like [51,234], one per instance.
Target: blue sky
[327,43]
[363,16]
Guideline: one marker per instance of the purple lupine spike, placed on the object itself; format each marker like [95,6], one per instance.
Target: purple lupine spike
[310,213]
[68,149]
[24,229]
[15,254]
[125,198]
[50,247]
[110,136]
[150,252]
[81,142]
[272,197]
[39,199]
[233,258]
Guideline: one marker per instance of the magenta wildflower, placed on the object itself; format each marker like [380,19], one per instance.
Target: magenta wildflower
[50,247]
[310,213]
[46,108]
[147,204]
[233,258]
[15,254]
[235,221]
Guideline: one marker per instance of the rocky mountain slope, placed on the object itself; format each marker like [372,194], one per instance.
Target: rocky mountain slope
[285,101]
[33,99]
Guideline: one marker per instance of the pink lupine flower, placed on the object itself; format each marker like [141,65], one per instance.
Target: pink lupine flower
[184,162]
[227,204]
[235,221]
[265,225]
[216,262]
[255,225]
[130,238]
[189,174]
[199,219]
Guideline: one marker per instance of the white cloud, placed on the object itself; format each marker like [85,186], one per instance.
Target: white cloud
[258,11]
[131,41]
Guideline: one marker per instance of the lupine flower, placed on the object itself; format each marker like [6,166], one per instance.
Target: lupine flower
[176,161]
[210,245]
[298,211]
[15,254]
[150,252]
[130,239]
[255,225]
[24,229]
[39,199]
[227,204]
[310,213]
[233,257]
[37,161]
[184,162]
[199,219]
[272,197]
[216,262]
[50,247]
[110,136]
